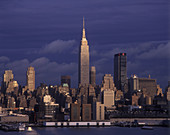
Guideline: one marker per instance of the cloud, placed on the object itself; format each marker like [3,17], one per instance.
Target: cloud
[47,71]
[4,59]
[142,59]
[156,49]
[160,52]
[58,46]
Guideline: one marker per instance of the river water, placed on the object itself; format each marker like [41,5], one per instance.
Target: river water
[92,131]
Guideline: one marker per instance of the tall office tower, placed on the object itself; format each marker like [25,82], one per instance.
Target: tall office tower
[8,76]
[66,80]
[120,70]
[31,78]
[93,76]
[107,83]
[84,60]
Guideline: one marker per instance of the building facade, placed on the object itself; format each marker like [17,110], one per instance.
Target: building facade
[134,83]
[107,83]
[98,111]
[86,112]
[120,70]
[108,98]
[93,76]
[84,60]
[75,112]
[31,78]
[8,76]
[148,87]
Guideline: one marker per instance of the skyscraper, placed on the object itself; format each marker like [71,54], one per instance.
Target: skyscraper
[120,70]
[31,78]
[93,76]
[66,80]
[8,76]
[84,60]
[107,83]
[134,83]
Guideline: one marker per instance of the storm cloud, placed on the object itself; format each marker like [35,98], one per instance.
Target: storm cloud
[47,34]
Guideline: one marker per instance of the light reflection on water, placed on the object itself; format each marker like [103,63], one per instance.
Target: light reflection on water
[33,132]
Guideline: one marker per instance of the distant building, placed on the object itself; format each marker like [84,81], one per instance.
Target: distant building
[83,94]
[32,102]
[135,99]
[168,94]
[119,95]
[98,111]
[47,109]
[22,102]
[148,87]
[14,118]
[148,100]
[75,112]
[91,91]
[120,70]
[12,86]
[84,60]
[108,98]
[107,83]
[159,91]
[134,83]
[86,112]
[50,110]
[66,80]
[7,77]
[108,89]
[11,102]
[31,78]
[93,76]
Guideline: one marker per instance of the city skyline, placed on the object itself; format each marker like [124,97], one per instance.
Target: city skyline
[53,49]
[84,64]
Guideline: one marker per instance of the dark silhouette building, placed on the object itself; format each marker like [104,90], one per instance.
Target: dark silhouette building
[120,70]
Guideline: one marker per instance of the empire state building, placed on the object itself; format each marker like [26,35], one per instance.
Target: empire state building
[84,59]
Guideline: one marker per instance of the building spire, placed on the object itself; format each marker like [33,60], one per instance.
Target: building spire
[84,34]
[83,23]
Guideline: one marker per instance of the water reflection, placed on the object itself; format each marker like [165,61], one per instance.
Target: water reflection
[33,132]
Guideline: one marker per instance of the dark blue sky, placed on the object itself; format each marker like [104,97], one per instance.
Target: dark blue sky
[46,34]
